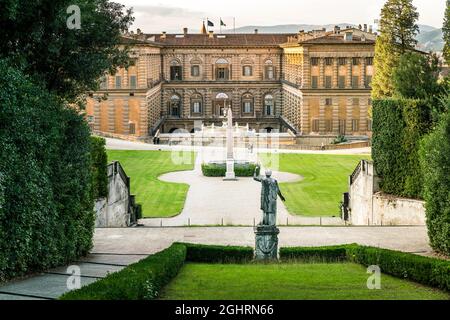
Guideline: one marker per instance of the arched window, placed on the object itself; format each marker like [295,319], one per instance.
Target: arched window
[269,70]
[196,105]
[175,106]
[195,67]
[247,104]
[176,71]
[269,105]
[247,67]
[222,69]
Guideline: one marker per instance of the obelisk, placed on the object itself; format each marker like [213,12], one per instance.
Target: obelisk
[230,175]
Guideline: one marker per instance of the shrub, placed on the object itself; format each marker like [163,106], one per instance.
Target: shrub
[314,254]
[398,126]
[218,254]
[220,169]
[424,270]
[435,160]
[140,281]
[46,214]
[339,139]
[99,167]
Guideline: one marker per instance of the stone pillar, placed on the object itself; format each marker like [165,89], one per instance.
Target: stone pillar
[306,70]
[336,115]
[143,118]
[348,120]
[362,73]
[125,79]
[322,115]
[335,73]
[126,116]
[321,73]
[97,115]
[266,243]
[208,104]
[348,84]
[363,115]
[305,124]
[111,116]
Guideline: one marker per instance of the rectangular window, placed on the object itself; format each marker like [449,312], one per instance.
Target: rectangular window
[247,71]
[342,123]
[369,61]
[315,125]
[355,82]
[342,61]
[270,74]
[355,125]
[328,82]
[328,101]
[329,61]
[328,125]
[355,61]
[247,107]
[314,61]
[104,83]
[314,82]
[368,81]
[369,124]
[133,82]
[196,106]
[175,73]
[195,71]
[222,73]
[132,128]
[341,83]
[118,82]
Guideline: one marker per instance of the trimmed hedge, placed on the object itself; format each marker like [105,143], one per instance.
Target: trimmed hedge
[435,160]
[425,270]
[46,199]
[315,254]
[140,281]
[145,279]
[398,126]
[220,169]
[99,167]
[218,254]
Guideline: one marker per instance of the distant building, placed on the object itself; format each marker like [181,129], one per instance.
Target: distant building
[313,83]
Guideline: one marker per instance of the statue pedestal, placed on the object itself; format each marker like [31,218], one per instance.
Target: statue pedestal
[266,244]
[230,175]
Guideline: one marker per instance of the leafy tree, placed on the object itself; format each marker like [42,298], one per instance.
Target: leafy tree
[416,76]
[446,31]
[67,61]
[398,30]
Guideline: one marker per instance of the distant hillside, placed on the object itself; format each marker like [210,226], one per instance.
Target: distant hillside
[430,38]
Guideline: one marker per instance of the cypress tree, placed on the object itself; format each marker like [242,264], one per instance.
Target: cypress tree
[446,31]
[398,29]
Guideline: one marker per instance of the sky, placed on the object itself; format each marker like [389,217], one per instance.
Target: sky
[155,16]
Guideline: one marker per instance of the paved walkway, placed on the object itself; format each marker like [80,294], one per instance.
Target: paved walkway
[116,248]
[214,202]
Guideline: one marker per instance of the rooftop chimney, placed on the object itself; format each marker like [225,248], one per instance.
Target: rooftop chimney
[138,31]
[365,27]
[163,36]
[256,31]
[337,29]
[185,31]
[370,29]
[211,34]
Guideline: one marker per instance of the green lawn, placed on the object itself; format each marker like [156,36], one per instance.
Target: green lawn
[325,180]
[158,198]
[289,282]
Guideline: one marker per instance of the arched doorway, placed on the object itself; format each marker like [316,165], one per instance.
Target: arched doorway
[221,103]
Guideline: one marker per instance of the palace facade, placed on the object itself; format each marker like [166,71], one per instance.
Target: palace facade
[311,83]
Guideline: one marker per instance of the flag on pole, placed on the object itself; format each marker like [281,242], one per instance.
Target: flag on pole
[210,24]
[222,24]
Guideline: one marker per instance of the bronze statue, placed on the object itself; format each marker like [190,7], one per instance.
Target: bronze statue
[269,193]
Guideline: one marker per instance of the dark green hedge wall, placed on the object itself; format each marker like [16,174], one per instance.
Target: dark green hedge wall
[142,280]
[435,160]
[218,254]
[99,167]
[46,200]
[398,126]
